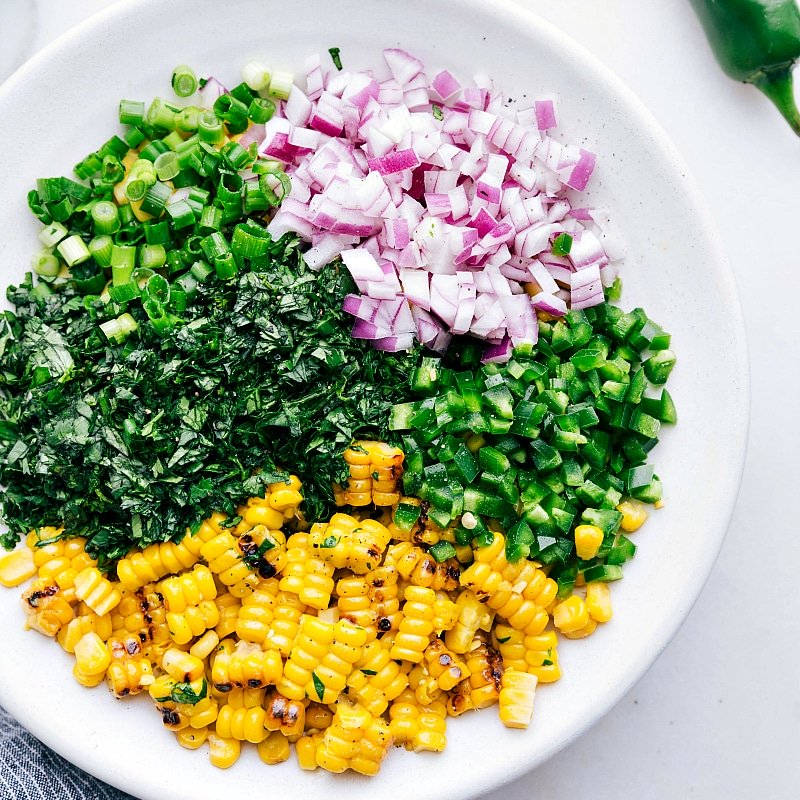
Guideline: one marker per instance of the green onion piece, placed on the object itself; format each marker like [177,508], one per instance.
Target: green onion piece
[184,81]
[232,111]
[214,245]
[114,147]
[151,150]
[281,84]
[188,119]
[336,57]
[437,112]
[173,141]
[166,166]
[562,245]
[181,213]
[250,240]
[265,181]
[255,75]
[73,250]
[123,262]
[225,266]
[156,199]
[211,217]
[157,289]
[236,155]
[160,115]
[152,256]
[135,189]
[157,232]
[100,247]
[131,112]
[133,137]
[112,170]
[261,110]
[126,219]
[441,551]
[45,264]
[52,234]
[116,330]
[209,128]
[125,293]
[88,167]
[253,198]
[105,217]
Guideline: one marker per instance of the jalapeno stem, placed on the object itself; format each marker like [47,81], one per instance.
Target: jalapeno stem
[779,87]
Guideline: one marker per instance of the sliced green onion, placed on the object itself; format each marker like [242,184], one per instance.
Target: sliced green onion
[45,264]
[73,250]
[123,262]
[181,213]
[225,266]
[437,112]
[166,166]
[89,166]
[100,247]
[52,234]
[131,112]
[116,330]
[209,128]
[255,75]
[105,217]
[161,115]
[173,141]
[157,290]
[184,81]
[264,183]
[114,147]
[156,199]
[152,149]
[211,217]
[112,170]
[188,119]
[261,110]
[157,232]
[232,111]
[133,137]
[152,256]
[236,155]
[250,240]
[281,84]
[562,245]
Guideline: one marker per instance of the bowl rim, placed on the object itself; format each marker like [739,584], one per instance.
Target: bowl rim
[505,11]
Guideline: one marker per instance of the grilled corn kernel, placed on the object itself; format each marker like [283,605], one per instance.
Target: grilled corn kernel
[192,738]
[634,515]
[274,749]
[571,614]
[416,626]
[516,698]
[91,655]
[223,753]
[96,591]
[588,539]
[182,666]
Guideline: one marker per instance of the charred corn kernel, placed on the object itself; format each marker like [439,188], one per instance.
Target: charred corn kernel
[354,604]
[247,666]
[205,645]
[444,665]
[504,587]
[459,699]
[375,472]
[224,559]
[383,594]
[182,666]
[223,753]
[128,676]
[421,569]
[183,591]
[71,633]
[349,543]
[289,609]
[91,655]
[257,612]
[288,717]
[486,672]
[634,515]
[598,601]
[588,539]
[377,679]
[46,606]
[541,656]
[571,614]
[96,591]
[317,718]
[587,630]
[416,726]
[274,749]
[424,685]
[355,740]
[192,738]
[305,574]
[263,549]
[516,699]
[229,608]
[16,567]
[242,724]
[473,615]
[158,560]
[416,626]
[306,749]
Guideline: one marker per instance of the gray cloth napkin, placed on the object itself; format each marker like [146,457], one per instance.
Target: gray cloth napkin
[31,771]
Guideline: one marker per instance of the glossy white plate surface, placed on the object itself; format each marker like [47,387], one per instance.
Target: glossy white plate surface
[63,104]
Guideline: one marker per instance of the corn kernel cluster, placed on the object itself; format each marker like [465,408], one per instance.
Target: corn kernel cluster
[342,639]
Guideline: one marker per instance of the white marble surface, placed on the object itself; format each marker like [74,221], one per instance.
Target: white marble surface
[718,715]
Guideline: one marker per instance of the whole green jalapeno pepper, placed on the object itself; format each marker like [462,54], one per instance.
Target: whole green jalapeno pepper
[758,42]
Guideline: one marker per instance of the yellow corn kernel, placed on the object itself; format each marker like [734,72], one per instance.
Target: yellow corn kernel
[16,567]
[587,630]
[274,749]
[416,626]
[228,607]
[91,655]
[247,666]
[383,594]
[516,699]
[444,665]
[541,657]
[96,591]
[598,601]
[182,666]
[262,514]
[634,515]
[305,574]
[416,726]
[317,717]
[128,676]
[86,679]
[473,615]
[242,724]
[588,539]
[355,740]
[288,717]
[205,645]
[284,499]
[347,542]
[306,749]
[571,614]
[486,671]
[223,753]
[192,738]
[421,569]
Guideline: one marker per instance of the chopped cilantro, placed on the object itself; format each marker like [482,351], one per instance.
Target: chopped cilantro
[319,686]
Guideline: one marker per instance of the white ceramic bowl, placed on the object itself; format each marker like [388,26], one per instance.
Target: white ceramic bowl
[63,104]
